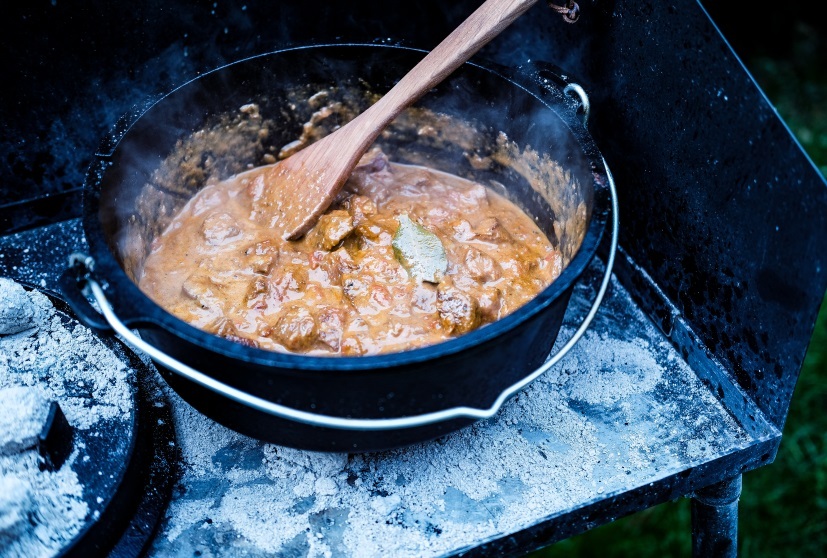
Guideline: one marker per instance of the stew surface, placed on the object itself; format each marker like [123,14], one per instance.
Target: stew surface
[368,278]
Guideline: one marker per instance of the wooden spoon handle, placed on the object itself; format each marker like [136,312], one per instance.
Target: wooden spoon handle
[471,35]
[302,186]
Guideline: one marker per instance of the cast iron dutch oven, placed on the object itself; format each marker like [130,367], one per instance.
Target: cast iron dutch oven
[345,403]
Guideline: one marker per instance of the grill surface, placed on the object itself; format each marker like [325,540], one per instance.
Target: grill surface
[622,423]
[719,278]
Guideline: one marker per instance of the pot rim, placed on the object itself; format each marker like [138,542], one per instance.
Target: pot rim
[135,307]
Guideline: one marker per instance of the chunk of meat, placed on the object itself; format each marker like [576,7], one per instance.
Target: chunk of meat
[490,302]
[360,207]
[491,230]
[363,210]
[331,327]
[296,328]
[256,292]
[481,266]
[354,289]
[220,229]
[213,281]
[458,310]
[224,272]
[225,328]
[463,231]
[262,256]
[344,261]
[288,281]
[333,227]
[200,288]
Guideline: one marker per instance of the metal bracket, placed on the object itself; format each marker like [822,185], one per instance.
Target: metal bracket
[570,11]
[575,90]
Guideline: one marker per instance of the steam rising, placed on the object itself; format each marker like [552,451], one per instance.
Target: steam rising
[475,124]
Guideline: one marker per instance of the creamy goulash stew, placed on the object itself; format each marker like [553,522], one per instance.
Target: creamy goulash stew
[406,257]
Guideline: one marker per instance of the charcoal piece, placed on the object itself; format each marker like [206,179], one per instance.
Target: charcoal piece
[30,421]
[17,312]
[54,443]
[23,414]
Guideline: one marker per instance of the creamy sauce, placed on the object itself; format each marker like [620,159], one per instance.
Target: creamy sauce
[340,289]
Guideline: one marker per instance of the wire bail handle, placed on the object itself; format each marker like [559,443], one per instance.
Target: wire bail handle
[92,287]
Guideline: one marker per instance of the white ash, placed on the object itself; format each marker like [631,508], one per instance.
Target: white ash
[23,412]
[40,511]
[51,359]
[635,369]
[81,373]
[15,501]
[608,418]
[17,313]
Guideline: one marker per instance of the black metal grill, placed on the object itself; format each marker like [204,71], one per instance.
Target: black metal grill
[719,278]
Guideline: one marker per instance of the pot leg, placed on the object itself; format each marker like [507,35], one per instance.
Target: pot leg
[715,520]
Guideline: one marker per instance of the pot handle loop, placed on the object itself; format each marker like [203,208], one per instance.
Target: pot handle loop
[73,283]
[570,10]
[575,90]
[346,423]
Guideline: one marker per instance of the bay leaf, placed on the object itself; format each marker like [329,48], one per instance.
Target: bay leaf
[419,251]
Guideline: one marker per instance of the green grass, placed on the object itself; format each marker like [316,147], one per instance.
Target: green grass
[783,508]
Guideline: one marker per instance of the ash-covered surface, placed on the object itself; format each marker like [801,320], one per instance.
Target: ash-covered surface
[46,356]
[621,411]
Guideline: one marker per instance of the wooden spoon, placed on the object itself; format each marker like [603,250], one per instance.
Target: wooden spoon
[300,188]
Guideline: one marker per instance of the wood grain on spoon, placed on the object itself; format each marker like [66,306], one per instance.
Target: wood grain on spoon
[300,188]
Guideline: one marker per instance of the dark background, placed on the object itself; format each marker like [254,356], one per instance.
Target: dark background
[72,68]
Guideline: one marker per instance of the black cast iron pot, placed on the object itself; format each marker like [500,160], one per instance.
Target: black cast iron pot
[275,396]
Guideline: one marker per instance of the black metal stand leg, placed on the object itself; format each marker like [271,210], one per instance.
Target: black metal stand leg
[715,520]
